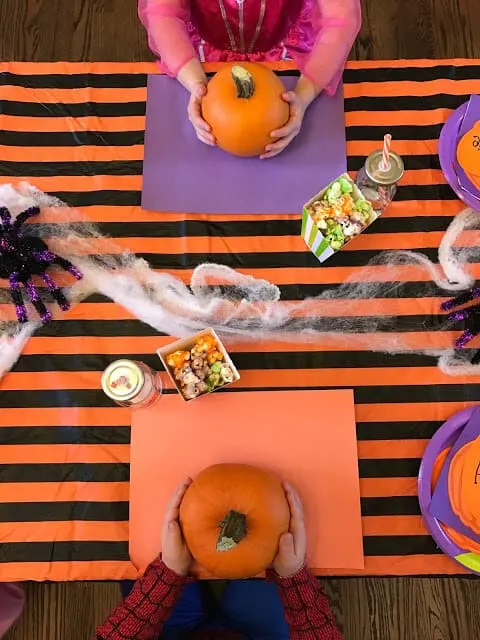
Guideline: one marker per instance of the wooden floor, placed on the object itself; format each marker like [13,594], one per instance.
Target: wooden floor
[370,608]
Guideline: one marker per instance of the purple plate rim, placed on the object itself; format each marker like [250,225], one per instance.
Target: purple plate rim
[446,154]
[437,444]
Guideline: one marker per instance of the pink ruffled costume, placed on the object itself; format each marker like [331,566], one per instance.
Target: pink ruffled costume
[11,604]
[317,34]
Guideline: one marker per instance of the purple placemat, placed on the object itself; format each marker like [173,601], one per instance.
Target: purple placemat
[440,505]
[181,174]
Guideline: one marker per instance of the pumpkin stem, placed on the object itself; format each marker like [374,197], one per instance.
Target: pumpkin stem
[243,81]
[233,530]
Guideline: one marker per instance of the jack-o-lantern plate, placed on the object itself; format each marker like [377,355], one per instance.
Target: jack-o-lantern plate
[460,548]
[447,152]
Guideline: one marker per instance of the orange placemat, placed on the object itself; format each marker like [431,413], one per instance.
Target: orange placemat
[307,437]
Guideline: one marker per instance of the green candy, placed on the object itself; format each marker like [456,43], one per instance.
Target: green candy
[345,185]
[213,381]
[216,367]
[363,206]
[334,192]
[335,236]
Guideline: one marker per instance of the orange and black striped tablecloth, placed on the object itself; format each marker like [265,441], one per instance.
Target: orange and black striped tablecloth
[77,131]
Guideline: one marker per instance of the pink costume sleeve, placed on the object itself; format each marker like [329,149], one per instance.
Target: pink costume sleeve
[339,22]
[168,38]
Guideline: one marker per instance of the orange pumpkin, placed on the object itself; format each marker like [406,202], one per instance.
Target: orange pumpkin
[464,484]
[243,106]
[232,517]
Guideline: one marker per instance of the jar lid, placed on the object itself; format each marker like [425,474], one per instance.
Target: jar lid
[375,171]
[122,380]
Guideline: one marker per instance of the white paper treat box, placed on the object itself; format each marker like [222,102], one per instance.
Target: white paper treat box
[313,236]
[187,343]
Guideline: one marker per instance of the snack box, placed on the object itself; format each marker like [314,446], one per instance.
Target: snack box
[186,344]
[318,240]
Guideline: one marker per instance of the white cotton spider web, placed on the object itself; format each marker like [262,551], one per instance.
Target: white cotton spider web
[239,306]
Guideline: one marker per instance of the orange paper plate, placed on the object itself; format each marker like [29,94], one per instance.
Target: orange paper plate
[475,180]
[307,437]
[464,485]
[468,151]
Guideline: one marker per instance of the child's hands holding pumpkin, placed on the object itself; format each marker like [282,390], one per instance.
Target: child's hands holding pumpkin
[299,101]
[193,78]
[175,553]
[202,129]
[292,548]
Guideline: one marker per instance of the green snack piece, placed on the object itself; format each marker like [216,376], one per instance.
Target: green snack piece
[345,185]
[213,381]
[336,244]
[335,236]
[333,193]
[363,206]
[216,367]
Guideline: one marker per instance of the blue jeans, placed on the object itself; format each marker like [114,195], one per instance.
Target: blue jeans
[249,607]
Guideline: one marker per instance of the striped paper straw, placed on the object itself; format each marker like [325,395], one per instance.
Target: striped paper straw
[385,164]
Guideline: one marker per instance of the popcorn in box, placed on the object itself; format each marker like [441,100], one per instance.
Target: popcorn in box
[198,365]
[335,216]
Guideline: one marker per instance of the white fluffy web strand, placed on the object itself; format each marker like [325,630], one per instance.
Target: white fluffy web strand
[239,306]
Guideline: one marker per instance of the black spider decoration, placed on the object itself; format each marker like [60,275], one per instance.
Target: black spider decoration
[23,256]
[470,316]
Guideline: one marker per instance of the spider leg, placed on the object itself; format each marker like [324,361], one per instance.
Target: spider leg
[68,266]
[34,296]
[465,314]
[471,316]
[44,256]
[463,298]
[56,292]
[17,298]
[465,338]
[6,218]
[52,258]
[24,216]
[476,357]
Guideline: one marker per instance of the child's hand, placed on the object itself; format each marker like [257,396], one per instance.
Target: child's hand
[175,553]
[290,130]
[202,129]
[299,101]
[292,547]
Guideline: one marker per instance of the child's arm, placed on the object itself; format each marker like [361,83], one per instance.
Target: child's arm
[339,24]
[148,606]
[307,610]
[165,22]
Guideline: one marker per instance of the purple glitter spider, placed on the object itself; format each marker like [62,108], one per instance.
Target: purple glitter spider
[470,316]
[23,256]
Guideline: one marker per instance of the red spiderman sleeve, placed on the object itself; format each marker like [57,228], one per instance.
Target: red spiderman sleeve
[148,606]
[307,609]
